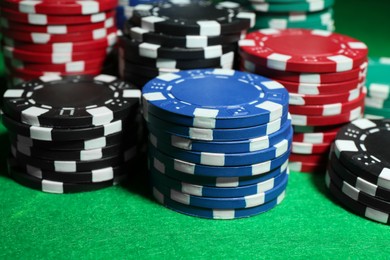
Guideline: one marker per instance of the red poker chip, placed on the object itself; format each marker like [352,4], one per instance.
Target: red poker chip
[312,78]
[45,38]
[303,50]
[327,120]
[309,158]
[80,66]
[314,138]
[317,129]
[318,89]
[42,19]
[323,99]
[329,109]
[55,58]
[307,167]
[55,29]
[59,7]
[64,47]
[308,148]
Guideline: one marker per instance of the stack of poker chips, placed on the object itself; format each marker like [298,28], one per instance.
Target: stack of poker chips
[358,170]
[164,38]
[71,133]
[125,8]
[60,37]
[277,14]
[378,88]
[219,142]
[324,73]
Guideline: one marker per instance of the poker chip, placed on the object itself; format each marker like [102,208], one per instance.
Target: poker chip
[361,147]
[33,103]
[324,74]
[298,6]
[206,19]
[217,152]
[259,100]
[329,52]
[43,34]
[71,133]
[356,206]
[312,78]
[60,8]
[55,29]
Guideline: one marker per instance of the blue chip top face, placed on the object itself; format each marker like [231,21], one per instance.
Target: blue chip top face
[212,95]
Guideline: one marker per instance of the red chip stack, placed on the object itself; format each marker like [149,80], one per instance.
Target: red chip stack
[324,73]
[62,37]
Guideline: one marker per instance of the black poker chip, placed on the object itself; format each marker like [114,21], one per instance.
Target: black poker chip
[188,41]
[94,176]
[358,182]
[50,186]
[71,101]
[65,134]
[154,51]
[176,64]
[363,147]
[196,18]
[74,165]
[128,137]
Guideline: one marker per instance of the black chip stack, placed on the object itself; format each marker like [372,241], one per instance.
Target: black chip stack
[168,37]
[71,133]
[359,168]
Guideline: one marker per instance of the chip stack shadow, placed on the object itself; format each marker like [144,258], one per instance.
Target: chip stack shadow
[168,37]
[71,133]
[219,142]
[324,73]
[58,38]
[358,173]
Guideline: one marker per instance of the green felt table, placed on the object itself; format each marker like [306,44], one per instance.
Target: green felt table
[124,222]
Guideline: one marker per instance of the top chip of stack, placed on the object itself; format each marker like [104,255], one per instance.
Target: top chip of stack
[276,14]
[71,133]
[324,73]
[169,37]
[378,88]
[62,37]
[219,142]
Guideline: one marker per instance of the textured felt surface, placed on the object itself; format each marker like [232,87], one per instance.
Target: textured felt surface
[125,223]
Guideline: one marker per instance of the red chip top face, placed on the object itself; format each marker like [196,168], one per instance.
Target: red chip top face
[302,50]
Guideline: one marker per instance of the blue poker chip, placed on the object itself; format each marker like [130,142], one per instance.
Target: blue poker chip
[216,213]
[204,134]
[243,146]
[215,98]
[171,164]
[221,192]
[220,182]
[223,159]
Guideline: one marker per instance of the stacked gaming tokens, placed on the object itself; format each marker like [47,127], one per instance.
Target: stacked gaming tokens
[62,37]
[166,38]
[378,86]
[359,168]
[71,133]
[324,73]
[279,14]
[219,142]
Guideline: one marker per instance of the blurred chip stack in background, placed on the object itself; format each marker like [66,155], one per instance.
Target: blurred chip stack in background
[62,37]
[282,14]
[378,88]
[169,37]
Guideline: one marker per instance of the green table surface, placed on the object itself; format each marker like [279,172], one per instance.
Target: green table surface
[124,222]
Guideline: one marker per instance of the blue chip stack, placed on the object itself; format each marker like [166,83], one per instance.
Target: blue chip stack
[219,142]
